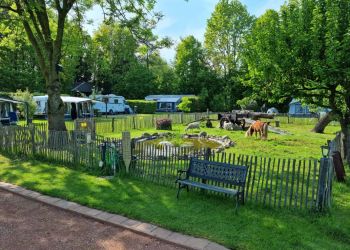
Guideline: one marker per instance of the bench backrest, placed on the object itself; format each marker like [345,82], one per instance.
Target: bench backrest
[217,171]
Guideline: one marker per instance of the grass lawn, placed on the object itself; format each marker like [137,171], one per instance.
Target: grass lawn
[301,144]
[194,213]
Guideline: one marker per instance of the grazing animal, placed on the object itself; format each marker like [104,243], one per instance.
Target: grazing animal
[228,126]
[192,125]
[258,127]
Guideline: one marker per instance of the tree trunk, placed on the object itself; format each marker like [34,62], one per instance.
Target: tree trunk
[55,105]
[345,140]
[322,123]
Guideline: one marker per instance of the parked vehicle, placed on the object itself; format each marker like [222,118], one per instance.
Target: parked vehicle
[112,104]
[75,107]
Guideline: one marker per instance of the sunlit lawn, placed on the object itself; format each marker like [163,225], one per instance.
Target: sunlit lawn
[301,144]
[202,215]
[194,213]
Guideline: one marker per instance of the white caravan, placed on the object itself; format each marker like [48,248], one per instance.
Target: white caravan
[112,104]
[75,107]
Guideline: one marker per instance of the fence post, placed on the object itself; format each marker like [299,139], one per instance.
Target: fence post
[133,122]
[126,145]
[32,136]
[113,124]
[324,188]
[182,118]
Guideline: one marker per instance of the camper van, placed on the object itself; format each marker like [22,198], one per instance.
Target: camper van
[112,104]
[75,107]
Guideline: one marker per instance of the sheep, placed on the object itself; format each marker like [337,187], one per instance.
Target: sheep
[193,125]
[228,126]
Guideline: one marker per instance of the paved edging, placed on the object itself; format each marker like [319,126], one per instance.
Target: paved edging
[116,220]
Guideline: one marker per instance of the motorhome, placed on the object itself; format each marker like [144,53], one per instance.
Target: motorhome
[75,107]
[112,104]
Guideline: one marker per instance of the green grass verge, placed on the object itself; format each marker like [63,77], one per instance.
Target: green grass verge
[301,144]
[194,213]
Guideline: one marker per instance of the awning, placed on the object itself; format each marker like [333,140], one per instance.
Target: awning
[11,101]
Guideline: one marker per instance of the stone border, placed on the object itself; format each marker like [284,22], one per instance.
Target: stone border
[139,227]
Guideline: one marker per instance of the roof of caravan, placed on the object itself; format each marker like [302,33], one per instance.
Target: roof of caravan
[9,100]
[169,99]
[110,96]
[71,99]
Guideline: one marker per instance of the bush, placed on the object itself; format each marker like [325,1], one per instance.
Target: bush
[192,104]
[143,107]
[25,96]
[163,124]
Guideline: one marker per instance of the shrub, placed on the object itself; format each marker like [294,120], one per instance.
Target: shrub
[25,96]
[143,107]
[163,124]
[192,104]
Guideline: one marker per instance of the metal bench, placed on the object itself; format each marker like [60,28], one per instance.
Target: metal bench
[217,172]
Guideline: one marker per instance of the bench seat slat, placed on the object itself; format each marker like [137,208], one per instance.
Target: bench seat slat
[209,187]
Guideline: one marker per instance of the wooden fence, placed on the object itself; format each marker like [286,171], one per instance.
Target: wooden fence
[76,149]
[272,182]
[128,122]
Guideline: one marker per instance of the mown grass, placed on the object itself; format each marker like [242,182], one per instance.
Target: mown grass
[194,213]
[300,144]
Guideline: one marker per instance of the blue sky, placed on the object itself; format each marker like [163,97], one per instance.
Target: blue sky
[183,18]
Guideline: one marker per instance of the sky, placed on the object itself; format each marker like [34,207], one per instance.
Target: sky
[183,18]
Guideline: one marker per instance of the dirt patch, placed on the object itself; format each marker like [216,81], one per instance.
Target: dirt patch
[26,224]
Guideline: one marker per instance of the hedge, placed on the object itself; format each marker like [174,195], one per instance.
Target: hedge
[143,107]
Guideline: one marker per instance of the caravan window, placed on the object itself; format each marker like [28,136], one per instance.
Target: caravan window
[116,101]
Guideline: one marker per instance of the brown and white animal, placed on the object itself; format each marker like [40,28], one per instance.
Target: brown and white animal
[193,125]
[258,127]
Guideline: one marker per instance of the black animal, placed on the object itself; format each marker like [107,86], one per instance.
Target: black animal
[231,118]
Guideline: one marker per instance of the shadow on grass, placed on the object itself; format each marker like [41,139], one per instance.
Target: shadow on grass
[196,213]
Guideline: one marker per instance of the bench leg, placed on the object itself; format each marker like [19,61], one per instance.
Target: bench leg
[237,202]
[178,191]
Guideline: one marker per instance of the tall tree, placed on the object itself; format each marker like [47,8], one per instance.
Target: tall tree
[224,39]
[309,58]
[18,66]
[189,65]
[46,36]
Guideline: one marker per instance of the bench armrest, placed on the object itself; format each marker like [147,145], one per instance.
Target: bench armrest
[180,173]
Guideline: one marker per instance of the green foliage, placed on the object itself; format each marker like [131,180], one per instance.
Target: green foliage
[143,107]
[192,104]
[189,65]
[18,67]
[303,51]
[224,39]
[248,103]
[164,124]
[185,104]
[27,97]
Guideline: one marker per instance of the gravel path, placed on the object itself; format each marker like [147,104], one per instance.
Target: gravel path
[27,224]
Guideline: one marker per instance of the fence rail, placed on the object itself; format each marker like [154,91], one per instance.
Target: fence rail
[272,182]
[76,149]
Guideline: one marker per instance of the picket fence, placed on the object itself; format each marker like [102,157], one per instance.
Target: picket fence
[272,182]
[76,149]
